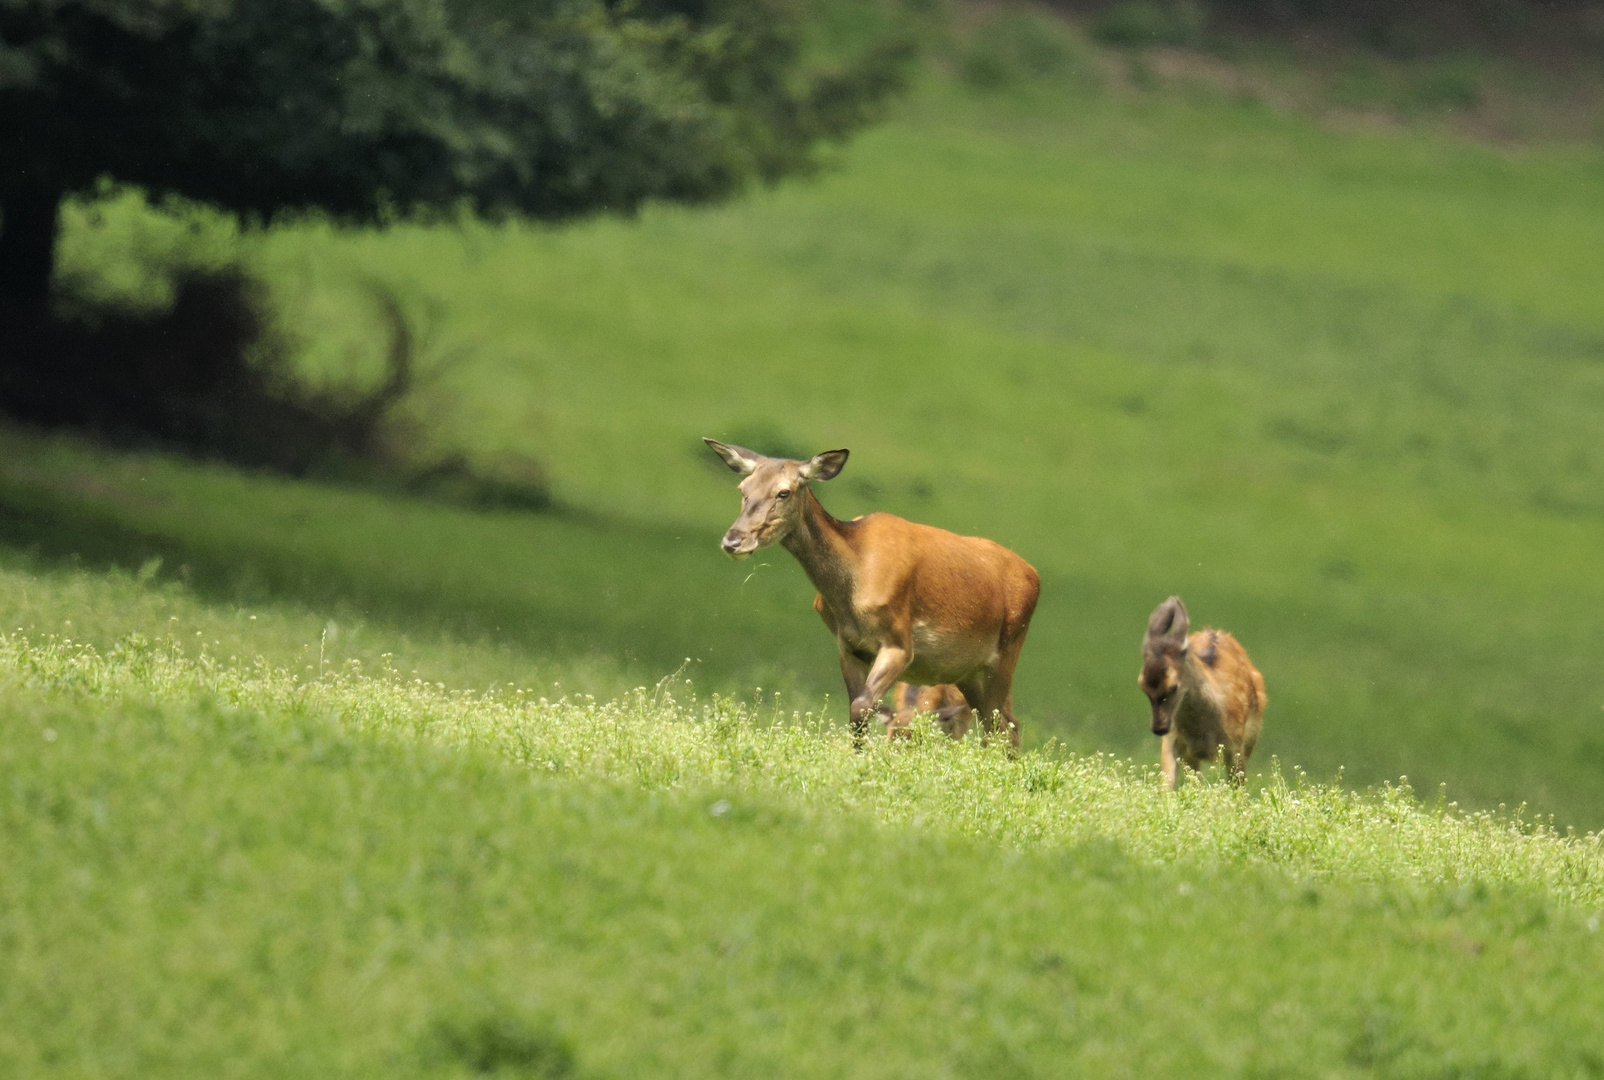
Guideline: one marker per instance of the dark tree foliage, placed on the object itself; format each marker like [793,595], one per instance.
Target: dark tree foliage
[1487,22]
[370,110]
[366,109]
[1487,11]
[1416,26]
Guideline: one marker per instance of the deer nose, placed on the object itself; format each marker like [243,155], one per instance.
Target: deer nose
[733,545]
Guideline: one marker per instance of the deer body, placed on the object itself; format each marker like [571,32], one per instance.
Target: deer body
[902,600]
[945,704]
[1206,694]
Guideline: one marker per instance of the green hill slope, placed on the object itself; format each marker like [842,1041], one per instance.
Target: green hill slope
[1340,391]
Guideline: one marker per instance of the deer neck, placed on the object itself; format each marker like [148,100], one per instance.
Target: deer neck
[1200,702]
[1190,670]
[824,548]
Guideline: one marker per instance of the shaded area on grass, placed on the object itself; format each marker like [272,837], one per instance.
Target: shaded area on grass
[213,374]
[209,375]
[561,584]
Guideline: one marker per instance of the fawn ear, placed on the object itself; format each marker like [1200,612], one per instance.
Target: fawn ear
[825,466]
[1169,624]
[738,458]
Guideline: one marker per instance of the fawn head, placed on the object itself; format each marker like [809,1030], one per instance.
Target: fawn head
[1163,651]
[771,502]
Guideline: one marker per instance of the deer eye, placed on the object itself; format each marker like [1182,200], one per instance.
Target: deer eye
[783,493]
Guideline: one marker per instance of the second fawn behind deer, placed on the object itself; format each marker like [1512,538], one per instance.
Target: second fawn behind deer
[944,704]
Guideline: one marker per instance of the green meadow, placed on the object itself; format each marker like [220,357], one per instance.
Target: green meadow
[312,779]
[1339,391]
[226,868]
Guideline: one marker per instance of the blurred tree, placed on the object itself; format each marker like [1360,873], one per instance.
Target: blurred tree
[369,109]
[1421,26]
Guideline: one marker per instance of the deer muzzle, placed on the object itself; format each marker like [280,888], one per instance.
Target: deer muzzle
[738,545]
[1163,718]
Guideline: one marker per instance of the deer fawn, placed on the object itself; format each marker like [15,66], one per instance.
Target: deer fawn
[945,704]
[902,600]
[1205,692]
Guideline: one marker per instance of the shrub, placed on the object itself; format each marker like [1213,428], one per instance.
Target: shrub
[1452,84]
[1143,22]
[1016,46]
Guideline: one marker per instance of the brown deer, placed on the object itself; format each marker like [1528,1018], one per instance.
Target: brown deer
[1205,692]
[902,600]
[945,704]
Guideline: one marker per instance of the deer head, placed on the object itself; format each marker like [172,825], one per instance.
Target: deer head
[771,502]
[1163,652]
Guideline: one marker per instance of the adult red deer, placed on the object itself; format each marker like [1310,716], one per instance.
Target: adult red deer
[903,600]
[944,704]
[1205,693]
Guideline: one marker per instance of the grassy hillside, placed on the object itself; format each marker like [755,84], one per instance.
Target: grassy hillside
[1341,391]
[224,868]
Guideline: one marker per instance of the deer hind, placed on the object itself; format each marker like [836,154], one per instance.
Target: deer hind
[1205,692]
[902,600]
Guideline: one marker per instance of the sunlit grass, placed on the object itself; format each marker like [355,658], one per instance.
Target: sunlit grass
[663,739]
[219,867]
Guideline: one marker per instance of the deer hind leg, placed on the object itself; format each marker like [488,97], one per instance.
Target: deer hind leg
[993,709]
[1239,741]
[1002,683]
[1250,736]
[996,689]
[1236,763]
[974,691]
[1004,715]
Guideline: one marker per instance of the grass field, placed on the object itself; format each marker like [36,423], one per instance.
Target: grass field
[220,868]
[1340,391]
[299,779]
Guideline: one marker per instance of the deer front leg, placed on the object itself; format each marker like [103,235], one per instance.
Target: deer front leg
[888,665]
[1166,759]
[855,673]
[1236,764]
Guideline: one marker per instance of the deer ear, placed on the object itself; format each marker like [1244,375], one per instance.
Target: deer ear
[1180,625]
[825,466]
[738,458]
[1169,623]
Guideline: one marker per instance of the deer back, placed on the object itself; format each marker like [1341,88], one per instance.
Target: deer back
[1234,683]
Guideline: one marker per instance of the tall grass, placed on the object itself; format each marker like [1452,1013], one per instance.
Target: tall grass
[652,740]
[233,869]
